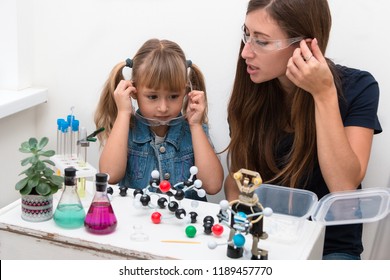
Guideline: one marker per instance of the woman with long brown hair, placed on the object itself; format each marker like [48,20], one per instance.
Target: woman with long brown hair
[297,118]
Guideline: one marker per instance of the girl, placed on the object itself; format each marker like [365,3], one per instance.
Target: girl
[168,132]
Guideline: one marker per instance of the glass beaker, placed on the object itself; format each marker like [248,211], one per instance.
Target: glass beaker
[69,212]
[100,218]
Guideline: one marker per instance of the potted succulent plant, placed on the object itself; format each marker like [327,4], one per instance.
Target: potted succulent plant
[40,181]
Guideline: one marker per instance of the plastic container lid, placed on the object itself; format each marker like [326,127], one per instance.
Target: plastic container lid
[350,207]
[338,208]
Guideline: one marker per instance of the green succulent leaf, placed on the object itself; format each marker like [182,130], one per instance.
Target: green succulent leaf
[49,153]
[48,161]
[25,145]
[57,180]
[48,172]
[43,142]
[40,166]
[33,182]
[26,190]
[29,172]
[43,188]
[54,188]
[33,142]
[23,172]
[34,159]
[26,161]
[25,148]
[21,184]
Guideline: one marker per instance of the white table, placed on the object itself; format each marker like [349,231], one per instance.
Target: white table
[288,239]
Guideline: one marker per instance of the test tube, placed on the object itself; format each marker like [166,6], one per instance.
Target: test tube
[74,135]
[83,144]
[59,137]
[70,119]
[64,137]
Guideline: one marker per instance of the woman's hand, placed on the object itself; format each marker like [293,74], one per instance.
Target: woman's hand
[308,69]
[196,107]
[122,95]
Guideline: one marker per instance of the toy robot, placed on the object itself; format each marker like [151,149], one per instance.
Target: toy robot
[246,216]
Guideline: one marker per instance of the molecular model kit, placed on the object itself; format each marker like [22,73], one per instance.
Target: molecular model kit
[243,216]
[169,198]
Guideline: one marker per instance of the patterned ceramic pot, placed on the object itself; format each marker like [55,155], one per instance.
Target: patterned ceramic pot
[37,208]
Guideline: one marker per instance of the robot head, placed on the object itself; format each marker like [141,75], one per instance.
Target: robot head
[247,181]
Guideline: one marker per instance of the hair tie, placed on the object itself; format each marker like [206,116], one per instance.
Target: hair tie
[129,63]
[189,63]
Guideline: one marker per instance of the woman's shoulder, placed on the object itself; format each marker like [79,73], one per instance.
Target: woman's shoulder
[358,84]
[360,100]
[355,77]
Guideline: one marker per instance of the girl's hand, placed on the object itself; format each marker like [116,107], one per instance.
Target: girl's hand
[122,95]
[196,107]
[308,69]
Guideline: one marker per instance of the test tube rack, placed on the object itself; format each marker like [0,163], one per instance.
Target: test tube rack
[84,170]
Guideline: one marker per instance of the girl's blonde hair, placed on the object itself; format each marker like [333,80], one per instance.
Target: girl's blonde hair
[158,64]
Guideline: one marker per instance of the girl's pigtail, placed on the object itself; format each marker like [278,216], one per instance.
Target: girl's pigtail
[107,111]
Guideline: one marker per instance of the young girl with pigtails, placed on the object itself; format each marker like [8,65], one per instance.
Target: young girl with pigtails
[169,130]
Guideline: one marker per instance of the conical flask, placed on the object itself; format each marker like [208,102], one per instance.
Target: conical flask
[100,218]
[69,212]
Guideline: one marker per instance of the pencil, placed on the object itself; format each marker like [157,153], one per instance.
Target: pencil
[180,241]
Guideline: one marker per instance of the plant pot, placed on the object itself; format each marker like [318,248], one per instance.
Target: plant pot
[37,208]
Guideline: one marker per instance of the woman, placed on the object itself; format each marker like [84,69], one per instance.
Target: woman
[297,118]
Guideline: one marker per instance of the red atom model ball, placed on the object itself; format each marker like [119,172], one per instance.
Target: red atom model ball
[156,217]
[217,229]
[165,186]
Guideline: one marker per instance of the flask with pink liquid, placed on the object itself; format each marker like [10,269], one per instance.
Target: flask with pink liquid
[100,218]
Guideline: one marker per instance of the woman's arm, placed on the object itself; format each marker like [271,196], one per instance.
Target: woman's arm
[231,188]
[343,152]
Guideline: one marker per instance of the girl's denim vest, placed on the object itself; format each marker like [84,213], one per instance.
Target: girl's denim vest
[173,158]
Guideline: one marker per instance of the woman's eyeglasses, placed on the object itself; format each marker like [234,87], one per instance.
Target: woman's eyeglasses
[267,46]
